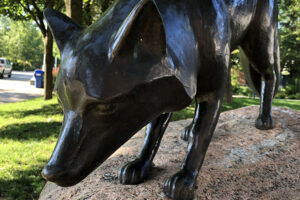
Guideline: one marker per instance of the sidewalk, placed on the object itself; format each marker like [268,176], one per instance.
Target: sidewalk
[17,88]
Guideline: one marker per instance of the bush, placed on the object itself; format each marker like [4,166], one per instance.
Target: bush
[293,87]
[235,80]
[246,91]
[280,95]
[294,96]
[235,88]
[22,66]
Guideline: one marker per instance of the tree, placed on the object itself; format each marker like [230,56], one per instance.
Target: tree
[93,9]
[85,12]
[289,14]
[74,10]
[4,27]
[33,10]
[21,41]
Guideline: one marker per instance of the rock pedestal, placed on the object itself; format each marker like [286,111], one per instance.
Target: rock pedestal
[242,162]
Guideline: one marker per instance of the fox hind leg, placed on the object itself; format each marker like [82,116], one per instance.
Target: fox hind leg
[261,68]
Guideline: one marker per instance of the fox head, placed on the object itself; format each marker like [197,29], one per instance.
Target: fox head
[114,78]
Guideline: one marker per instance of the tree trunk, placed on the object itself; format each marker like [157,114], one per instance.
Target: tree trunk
[49,62]
[74,10]
[228,91]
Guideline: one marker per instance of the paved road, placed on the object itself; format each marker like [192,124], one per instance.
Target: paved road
[17,88]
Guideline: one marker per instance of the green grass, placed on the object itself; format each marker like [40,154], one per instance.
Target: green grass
[28,133]
[237,103]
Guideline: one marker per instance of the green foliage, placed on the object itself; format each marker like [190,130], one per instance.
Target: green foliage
[27,9]
[236,70]
[293,86]
[246,91]
[291,91]
[289,15]
[235,80]
[23,66]
[21,42]
[4,27]
[93,9]
[280,95]
[294,96]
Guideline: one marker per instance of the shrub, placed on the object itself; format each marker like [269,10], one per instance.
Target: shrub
[280,95]
[245,90]
[294,96]
[22,66]
[293,87]
[235,80]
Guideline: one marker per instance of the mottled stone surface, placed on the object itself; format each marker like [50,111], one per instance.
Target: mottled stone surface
[242,162]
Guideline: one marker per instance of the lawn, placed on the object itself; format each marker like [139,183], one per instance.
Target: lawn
[28,132]
[238,103]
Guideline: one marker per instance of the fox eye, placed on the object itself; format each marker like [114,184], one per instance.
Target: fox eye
[105,108]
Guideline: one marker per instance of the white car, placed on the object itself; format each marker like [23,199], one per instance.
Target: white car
[5,67]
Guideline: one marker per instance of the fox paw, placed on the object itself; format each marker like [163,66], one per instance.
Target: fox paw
[134,172]
[186,132]
[180,186]
[264,123]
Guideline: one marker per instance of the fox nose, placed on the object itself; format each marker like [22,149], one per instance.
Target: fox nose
[58,176]
[52,173]
[62,175]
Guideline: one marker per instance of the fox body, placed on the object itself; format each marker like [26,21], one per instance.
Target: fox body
[145,59]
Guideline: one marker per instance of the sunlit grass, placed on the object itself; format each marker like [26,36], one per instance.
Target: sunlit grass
[28,132]
[237,103]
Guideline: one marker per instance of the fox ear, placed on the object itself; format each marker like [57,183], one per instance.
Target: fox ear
[144,26]
[61,26]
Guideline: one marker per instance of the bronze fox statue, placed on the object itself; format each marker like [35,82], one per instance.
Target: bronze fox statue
[143,60]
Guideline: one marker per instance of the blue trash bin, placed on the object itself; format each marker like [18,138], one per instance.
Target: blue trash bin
[39,78]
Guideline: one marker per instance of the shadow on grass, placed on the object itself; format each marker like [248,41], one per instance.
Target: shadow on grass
[46,110]
[30,131]
[26,184]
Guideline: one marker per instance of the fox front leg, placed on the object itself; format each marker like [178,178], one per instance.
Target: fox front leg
[138,170]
